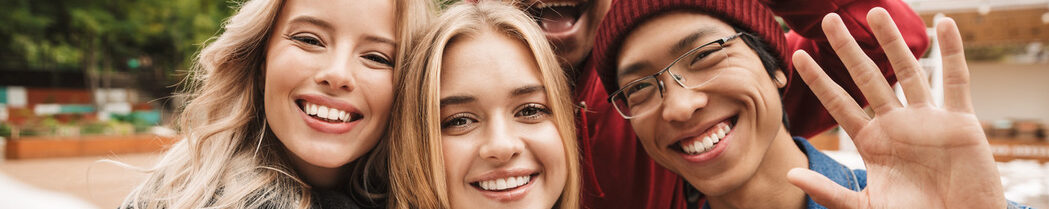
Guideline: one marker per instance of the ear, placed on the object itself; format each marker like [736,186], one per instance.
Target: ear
[779,78]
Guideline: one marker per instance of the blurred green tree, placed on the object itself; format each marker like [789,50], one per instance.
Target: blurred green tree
[153,36]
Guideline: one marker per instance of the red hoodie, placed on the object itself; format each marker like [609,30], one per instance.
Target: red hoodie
[617,173]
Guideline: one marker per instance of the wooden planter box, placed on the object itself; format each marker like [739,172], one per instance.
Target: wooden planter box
[1007,149]
[73,146]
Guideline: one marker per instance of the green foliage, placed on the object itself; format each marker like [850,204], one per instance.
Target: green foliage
[61,34]
[5,130]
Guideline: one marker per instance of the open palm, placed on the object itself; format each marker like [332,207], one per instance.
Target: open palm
[917,155]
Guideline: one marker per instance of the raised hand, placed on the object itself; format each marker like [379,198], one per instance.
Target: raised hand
[917,155]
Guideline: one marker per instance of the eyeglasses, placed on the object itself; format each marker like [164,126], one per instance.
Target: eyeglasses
[692,69]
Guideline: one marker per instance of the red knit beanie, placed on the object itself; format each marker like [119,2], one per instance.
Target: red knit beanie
[625,15]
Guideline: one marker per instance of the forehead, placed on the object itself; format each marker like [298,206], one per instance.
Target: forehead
[657,36]
[487,61]
[344,14]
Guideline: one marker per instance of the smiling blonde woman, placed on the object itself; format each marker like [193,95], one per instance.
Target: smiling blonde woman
[287,104]
[483,116]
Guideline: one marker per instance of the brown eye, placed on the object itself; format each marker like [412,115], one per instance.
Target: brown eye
[306,39]
[532,112]
[379,59]
[458,123]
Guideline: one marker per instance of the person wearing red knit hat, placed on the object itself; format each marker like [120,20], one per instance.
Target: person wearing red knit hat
[701,83]
[616,171]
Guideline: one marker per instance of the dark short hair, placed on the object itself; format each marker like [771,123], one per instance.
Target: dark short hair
[768,60]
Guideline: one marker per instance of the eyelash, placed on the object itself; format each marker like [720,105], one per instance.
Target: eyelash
[541,111]
[306,39]
[310,40]
[458,117]
[379,58]
[703,55]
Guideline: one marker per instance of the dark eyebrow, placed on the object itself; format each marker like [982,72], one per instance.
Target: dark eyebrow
[313,21]
[458,99]
[527,90]
[686,43]
[677,49]
[632,68]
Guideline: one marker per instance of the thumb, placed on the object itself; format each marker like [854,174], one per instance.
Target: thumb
[823,190]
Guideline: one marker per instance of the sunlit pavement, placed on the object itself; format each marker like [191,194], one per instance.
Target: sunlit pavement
[73,183]
[86,183]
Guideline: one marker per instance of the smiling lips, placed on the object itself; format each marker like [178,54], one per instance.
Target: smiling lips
[708,145]
[329,114]
[504,183]
[699,145]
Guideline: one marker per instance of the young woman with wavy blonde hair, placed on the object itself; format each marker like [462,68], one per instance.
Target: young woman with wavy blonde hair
[285,108]
[483,117]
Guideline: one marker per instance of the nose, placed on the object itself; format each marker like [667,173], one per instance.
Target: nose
[679,104]
[501,145]
[337,76]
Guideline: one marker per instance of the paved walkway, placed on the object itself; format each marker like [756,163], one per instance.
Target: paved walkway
[85,183]
[80,182]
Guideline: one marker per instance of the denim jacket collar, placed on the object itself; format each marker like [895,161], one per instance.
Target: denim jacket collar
[855,180]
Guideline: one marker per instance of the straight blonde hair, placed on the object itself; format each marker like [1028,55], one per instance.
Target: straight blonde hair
[417,169]
[227,157]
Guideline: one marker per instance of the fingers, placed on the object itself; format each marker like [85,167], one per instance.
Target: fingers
[955,72]
[863,71]
[823,190]
[908,71]
[838,103]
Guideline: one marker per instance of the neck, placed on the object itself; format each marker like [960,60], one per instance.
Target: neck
[768,187]
[316,176]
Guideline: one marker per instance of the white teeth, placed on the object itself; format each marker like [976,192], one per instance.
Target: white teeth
[325,112]
[322,111]
[707,142]
[504,183]
[500,184]
[334,114]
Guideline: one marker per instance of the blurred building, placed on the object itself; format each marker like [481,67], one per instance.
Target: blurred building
[985,22]
[1007,45]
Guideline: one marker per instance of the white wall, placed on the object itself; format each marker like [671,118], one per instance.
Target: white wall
[1010,91]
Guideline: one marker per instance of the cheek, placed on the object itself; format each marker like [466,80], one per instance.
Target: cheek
[545,144]
[377,87]
[551,149]
[645,128]
[285,67]
[457,155]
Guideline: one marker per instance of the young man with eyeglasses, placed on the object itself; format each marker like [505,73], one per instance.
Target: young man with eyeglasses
[618,173]
[702,90]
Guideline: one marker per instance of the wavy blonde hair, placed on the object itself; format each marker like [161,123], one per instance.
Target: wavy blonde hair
[227,157]
[417,172]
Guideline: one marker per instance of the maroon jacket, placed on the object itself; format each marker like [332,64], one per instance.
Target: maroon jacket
[617,173]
